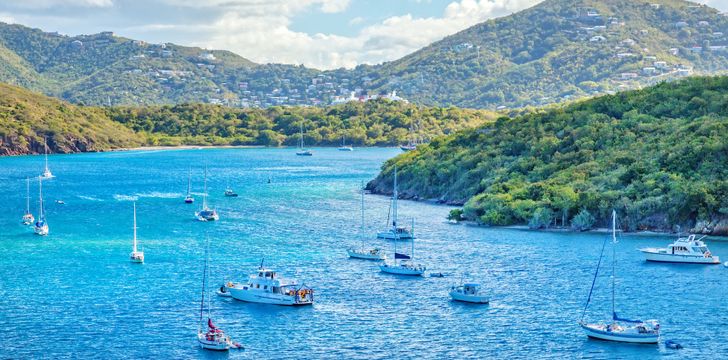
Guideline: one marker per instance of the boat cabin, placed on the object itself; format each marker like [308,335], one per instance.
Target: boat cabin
[688,246]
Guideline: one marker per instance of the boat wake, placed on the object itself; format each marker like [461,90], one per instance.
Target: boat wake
[125,197]
[159,195]
[89,198]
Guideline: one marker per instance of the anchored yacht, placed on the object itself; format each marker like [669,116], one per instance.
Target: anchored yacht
[266,287]
[468,293]
[683,250]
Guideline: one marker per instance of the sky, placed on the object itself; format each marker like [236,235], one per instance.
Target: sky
[323,34]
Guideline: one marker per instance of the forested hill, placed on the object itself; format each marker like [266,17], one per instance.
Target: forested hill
[557,50]
[26,118]
[659,156]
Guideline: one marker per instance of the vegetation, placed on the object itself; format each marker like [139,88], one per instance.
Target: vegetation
[659,156]
[541,55]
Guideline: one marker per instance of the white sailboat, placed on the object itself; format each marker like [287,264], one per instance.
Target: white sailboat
[189,199]
[47,171]
[41,226]
[206,214]
[364,252]
[406,264]
[618,329]
[136,256]
[213,338]
[343,146]
[28,218]
[396,232]
[684,250]
[411,145]
[301,150]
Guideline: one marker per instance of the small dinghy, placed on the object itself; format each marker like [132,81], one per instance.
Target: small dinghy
[437,275]
[670,344]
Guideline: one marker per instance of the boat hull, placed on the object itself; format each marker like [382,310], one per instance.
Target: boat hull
[388,235]
[261,297]
[212,345]
[619,337]
[365,255]
[401,270]
[475,299]
[677,258]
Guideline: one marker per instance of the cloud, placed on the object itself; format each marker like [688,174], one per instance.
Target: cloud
[356,21]
[267,37]
[48,4]
[7,18]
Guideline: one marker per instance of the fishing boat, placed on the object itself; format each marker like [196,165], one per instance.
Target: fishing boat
[618,329]
[206,214]
[363,252]
[47,171]
[469,292]
[28,218]
[684,250]
[343,146]
[41,226]
[396,232]
[266,287]
[213,338]
[189,199]
[136,256]
[301,150]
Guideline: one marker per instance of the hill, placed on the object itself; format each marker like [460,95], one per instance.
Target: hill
[557,50]
[26,117]
[659,156]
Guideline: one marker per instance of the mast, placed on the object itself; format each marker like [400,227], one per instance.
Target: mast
[301,135]
[27,195]
[394,201]
[412,255]
[614,252]
[204,287]
[135,229]
[189,182]
[45,143]
[41,216]
[361,228]
[204,195]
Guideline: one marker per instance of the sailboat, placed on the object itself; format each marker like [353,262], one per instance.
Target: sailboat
[364,252]
[406,264]
[396,232]
[27,217]
[619,329]
[41,227]
[411,145]
[301,150]
[136,256]
[343,146]
[46,172]
[189,199]
[214,338]
[206,214]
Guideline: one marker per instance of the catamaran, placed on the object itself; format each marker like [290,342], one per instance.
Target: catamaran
[396,232]
[619,329]
[206,214]
[266,287]
[46,172]
[27,217]
[364,252]
[343,146]
[684,250]
[189,199]
[214,338]
[136,256]
[301,150]
[41,226]
[405,265]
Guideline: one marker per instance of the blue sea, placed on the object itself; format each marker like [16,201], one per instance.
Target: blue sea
[74,294]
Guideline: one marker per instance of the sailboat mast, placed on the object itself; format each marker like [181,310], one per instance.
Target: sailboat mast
[27,195]
[204,195]
[189,182]
[412,255]
[614,252]
[135,229]
[40,198]
[301,135]
[45,143]
[361,229]
[204,288]
[395,195]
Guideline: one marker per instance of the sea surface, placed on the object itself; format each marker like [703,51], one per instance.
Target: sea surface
[74,294]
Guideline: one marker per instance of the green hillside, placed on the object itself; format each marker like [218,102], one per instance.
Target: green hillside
[558,50]
[659,156]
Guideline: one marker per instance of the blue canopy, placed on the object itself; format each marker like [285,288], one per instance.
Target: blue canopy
[401,256]
[617,318]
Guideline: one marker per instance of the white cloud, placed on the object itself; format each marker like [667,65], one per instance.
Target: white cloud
[7,18]
[268,38]
[356,21]
[47,4]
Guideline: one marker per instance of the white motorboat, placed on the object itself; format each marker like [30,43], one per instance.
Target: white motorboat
[136,256]
[301,150]
[189,199]
[396,232]
[364,252]
[343,146]
[213,338]
[41,226]
[683,250]
[469,292]
[47,171]
[618,329]
[266,287]
[230,193]
[206,214]
[28,218]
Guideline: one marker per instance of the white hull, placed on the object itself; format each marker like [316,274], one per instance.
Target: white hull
[346,148]
[366,254]
[650,255]
[42,231]
[620,337]
[402,270]
[476,299]
[207,218]
[137,257]
[262,297]
[391,236]
[212,345]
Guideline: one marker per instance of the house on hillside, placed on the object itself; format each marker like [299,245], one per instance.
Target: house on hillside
[703,23]
[649,70]
[628,75]
[660,64]
[625,55]
[597,38]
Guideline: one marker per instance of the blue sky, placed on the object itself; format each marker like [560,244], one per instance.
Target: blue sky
[323,34]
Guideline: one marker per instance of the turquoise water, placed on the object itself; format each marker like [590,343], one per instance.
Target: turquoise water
[73,294]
